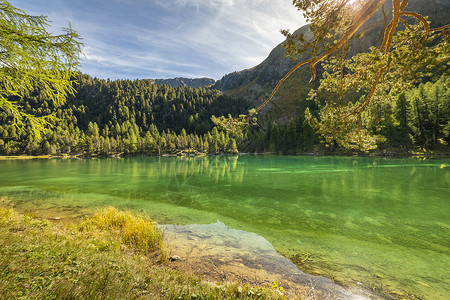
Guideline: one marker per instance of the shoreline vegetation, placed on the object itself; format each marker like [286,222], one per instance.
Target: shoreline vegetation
[110,255]
[390,154]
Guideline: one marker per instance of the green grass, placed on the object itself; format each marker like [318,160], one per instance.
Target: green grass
[111,255]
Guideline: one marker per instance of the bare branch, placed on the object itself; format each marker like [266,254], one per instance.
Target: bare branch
[443,28]
[366,101]
[418,17]
[392,26]
[363,15]
[282,80]
[403,5]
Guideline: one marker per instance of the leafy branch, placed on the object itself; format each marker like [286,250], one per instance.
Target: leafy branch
[392,63]
[31,58]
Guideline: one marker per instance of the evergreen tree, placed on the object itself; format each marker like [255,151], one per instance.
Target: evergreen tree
[50,62]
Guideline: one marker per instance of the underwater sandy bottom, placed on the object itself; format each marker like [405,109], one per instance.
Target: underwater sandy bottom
[219,253]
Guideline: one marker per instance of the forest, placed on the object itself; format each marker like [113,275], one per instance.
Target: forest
[418,121]
[124,117]
[130,117]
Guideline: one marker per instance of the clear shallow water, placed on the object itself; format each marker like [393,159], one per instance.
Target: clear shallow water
[380,224]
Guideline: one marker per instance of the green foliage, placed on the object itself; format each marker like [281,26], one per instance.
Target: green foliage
[415,120]
[278,288]
[130,117]
[401,58]
[329,21]
[32,59]
[236,126]
[134,117]
[429,111]
[381,77]
[337,125]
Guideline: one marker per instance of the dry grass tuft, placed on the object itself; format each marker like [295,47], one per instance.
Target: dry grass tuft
[138,231]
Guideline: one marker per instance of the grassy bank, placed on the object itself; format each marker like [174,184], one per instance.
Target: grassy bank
[111,255]
[12,157]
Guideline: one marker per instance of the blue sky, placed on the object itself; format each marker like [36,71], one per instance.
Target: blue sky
[128,39]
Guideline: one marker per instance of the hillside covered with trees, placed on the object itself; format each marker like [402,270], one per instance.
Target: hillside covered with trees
[132,117]
[141,118]
[419,120]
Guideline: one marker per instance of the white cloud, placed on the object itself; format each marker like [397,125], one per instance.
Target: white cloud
[237,32]
[149,39]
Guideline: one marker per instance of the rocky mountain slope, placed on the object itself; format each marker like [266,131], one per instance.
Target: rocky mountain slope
[256,83]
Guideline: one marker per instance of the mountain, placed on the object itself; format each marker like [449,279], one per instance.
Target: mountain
[256,83]
[181,81]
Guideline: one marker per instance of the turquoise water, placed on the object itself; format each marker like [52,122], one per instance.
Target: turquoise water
[377,224]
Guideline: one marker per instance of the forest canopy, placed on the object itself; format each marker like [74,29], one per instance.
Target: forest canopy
[141,118]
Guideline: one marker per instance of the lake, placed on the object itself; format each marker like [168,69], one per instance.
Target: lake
[378,224]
